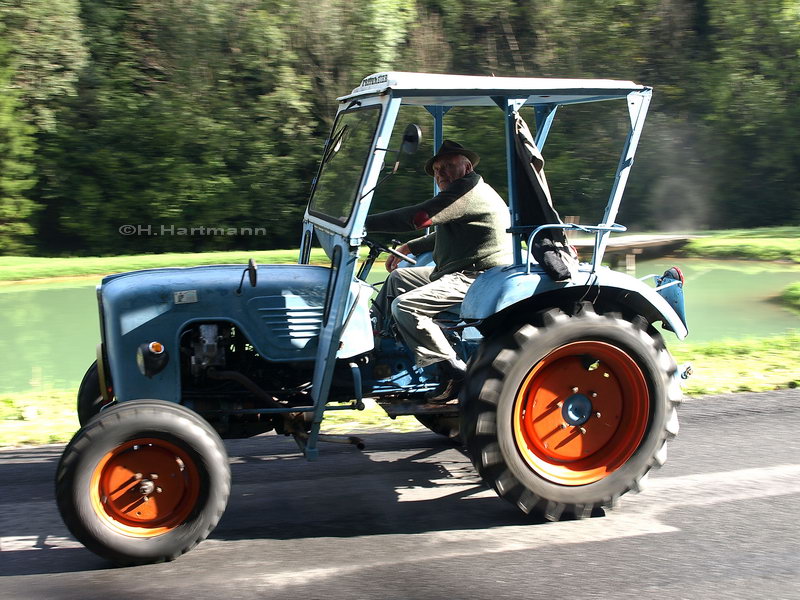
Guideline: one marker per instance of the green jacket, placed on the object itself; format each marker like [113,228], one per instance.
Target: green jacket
[471,222]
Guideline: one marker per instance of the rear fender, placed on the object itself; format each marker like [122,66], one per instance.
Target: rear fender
[502,288]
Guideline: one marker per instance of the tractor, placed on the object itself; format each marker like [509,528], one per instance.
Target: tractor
[570,395]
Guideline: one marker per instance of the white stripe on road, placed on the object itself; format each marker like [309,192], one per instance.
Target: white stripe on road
[639,516]
[16,543]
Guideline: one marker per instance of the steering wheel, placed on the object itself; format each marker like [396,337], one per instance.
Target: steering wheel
[381,248]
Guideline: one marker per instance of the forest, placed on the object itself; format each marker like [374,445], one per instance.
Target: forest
[213,113]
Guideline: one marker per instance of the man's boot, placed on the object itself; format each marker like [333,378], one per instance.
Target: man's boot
[451,377]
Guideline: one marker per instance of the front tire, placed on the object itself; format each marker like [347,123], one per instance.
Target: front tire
[143,482]
[565,415]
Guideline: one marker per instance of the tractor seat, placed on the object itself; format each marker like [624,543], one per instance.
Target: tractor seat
[449,318]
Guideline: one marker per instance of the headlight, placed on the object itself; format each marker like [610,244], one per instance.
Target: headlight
[151,358]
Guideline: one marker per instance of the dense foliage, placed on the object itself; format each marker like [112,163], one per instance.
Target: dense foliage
[188,113]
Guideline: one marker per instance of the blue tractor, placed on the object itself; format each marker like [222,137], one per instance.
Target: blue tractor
[570,395]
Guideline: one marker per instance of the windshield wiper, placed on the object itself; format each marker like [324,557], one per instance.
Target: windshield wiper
[337,139]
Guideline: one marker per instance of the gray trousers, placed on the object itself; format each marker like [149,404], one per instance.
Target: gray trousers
[414,300]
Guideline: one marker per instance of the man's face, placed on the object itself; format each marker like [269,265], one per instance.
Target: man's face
[449,168]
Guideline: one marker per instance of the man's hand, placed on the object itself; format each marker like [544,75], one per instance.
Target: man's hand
[392,261]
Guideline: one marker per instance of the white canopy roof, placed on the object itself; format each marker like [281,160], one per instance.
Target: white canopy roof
[431,89]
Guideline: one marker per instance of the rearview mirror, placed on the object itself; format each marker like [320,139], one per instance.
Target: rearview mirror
[411,138]
[409,145]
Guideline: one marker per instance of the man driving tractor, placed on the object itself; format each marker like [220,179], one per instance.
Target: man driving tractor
[471,236]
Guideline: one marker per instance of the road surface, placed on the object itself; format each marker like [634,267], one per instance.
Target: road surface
[407,518]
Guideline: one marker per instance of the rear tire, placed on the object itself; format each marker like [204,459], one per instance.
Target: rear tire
[566,415]
[143,482]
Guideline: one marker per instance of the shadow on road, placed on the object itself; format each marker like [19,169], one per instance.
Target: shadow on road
[401,484]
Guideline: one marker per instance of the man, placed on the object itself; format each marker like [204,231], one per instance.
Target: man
[471,236]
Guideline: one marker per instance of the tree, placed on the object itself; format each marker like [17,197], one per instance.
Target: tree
[16,165]
[190,116]
[46,40]
[213,113]
[754,113]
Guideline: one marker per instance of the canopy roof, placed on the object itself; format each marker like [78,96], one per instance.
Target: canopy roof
[431,89]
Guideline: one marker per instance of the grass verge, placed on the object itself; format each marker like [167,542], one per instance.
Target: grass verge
[19,268]
[767,244]
[791,296]
[49,416]
[745,365]
[37,417]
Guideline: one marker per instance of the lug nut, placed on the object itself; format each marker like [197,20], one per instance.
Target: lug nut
[575,390]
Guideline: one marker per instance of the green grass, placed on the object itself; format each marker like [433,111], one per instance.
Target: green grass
[745,365]
[767,244]
[45,416]
[791,296]
[37,417]
[17,268]
[371,418]
[48,416]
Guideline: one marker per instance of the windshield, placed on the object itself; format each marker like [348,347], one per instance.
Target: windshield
[346,153]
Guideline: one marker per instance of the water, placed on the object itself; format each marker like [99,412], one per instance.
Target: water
[49,332]
[732,299]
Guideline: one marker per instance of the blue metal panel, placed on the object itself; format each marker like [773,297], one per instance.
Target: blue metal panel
[510,108]
[638,103]
[544,120]
[438,113]
[281,317]
[502,287]
[344,250]
[670,287]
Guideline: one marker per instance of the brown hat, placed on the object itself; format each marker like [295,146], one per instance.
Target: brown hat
[447,148]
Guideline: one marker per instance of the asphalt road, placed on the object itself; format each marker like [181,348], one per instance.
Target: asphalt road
[408,518]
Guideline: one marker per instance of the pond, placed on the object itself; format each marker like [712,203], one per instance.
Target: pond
[50,331]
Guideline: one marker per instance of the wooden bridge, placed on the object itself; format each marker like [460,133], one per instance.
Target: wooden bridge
[630,246]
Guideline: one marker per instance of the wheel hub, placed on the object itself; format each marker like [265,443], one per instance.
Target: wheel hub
[146,487]
[577,409]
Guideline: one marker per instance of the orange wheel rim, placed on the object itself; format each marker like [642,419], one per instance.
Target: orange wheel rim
[145,487]
[581,413]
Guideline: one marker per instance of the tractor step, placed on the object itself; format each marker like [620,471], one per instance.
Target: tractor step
[396,409]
